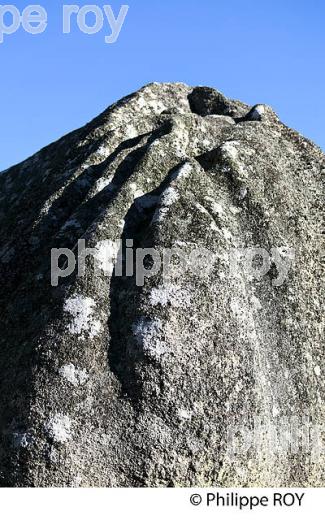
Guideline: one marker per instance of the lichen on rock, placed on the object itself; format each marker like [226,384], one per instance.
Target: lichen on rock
[108,382]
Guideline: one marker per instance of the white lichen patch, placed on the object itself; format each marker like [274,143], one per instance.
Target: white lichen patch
[170,294]
[121,223]
[141,102]
[237,307]
[102,183]
[150,104]
[207,143]
[183,172]
[136,192]
[156,104]
[184,414]
[103,151]
[226,233]
[243,193]
[149,336]
[131,132]
[82,310]
[74,375]
[76,481]
[216,208]
[168,198]
[230,149]
[317,370]
[214,226]
[256,303]
[275,411]
[54,455]
[105,254]
[58,428]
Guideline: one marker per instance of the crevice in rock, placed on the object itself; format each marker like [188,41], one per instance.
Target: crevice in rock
[125,355]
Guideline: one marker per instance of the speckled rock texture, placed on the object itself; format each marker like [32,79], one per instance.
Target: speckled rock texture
[107,383]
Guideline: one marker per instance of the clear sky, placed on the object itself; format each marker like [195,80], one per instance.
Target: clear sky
[259,51]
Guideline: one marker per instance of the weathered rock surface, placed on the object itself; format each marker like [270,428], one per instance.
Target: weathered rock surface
[104,383]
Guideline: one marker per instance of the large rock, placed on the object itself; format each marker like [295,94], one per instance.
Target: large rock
[105,382]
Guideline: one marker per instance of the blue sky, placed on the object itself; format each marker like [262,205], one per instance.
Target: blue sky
[268,51]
